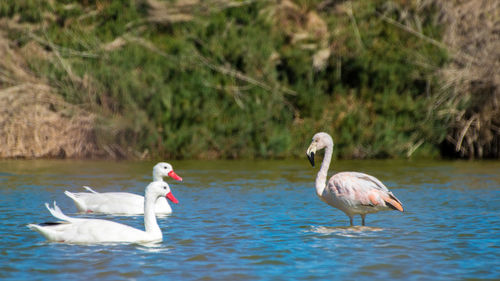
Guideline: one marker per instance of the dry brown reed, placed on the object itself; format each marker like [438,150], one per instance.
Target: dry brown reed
[35,122]
[472,34]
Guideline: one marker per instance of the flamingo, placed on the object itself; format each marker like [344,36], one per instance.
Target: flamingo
[122,203]
[82,230]
[353,193]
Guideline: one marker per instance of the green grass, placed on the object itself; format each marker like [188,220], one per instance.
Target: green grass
[214,86]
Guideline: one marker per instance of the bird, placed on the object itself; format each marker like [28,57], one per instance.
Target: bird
[353,193]
[122,203]
[88,231]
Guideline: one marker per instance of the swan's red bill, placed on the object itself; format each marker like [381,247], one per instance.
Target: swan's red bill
[173,175]
[171,197]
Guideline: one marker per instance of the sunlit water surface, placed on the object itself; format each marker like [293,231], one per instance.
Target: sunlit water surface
[261,220]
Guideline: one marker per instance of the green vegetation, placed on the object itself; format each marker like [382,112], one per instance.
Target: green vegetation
[243,78]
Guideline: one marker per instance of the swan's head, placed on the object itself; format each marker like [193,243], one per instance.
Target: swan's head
[160,189]
[319,141]
[163,169]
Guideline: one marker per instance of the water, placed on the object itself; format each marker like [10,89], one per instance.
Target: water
[261,220]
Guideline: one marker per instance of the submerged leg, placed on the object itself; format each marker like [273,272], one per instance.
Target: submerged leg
[363,219]
[350,220]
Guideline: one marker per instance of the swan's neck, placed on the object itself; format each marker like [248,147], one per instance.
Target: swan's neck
[323,171]
[150,223]
[157,177]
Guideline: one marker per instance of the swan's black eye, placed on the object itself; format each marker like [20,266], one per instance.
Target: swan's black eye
[164,187]
[165,167]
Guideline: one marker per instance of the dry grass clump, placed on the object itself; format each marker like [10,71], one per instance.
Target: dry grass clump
[36,122]
[304,27]
[472,32]
[300,23]
[168,12]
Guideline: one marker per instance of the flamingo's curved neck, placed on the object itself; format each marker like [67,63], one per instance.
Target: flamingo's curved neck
[323,171]
[150,224]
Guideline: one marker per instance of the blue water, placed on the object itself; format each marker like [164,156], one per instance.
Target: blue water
[261,220]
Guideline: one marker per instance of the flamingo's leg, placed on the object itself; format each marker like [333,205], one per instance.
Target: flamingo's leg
[363,216]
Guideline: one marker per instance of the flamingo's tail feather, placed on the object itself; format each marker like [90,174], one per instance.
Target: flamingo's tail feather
[393,203]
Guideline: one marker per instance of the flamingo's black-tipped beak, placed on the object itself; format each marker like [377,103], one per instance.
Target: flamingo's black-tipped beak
[310,156]
[310,153]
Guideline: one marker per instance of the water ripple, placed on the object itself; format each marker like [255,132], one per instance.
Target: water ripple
[261,220]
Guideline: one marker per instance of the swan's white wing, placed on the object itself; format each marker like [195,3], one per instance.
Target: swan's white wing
[120,203]
[92,231]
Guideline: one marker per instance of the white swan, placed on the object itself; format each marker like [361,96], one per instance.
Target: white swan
[122,203]
[352,192]
[80,230]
